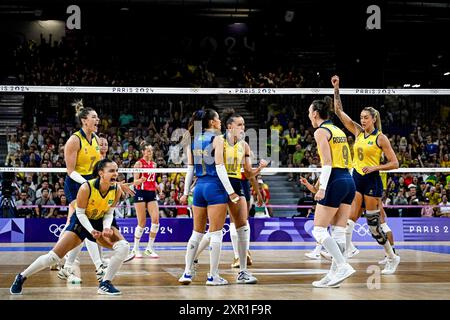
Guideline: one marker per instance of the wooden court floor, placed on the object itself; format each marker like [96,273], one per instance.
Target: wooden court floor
[281,268]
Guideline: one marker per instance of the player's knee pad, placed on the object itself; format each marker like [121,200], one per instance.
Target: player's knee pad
[138,232]
[233,231]
[373,221]
[154,228]
[121,248]
[196,236]
[216,236]
[52,257]
[320,234]
[385,228]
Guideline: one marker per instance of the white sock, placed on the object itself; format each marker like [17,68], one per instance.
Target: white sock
[191,250]
[41,263]
[120,253]
[203,244]
[92,248]
[339,235]
[72,255]
[388,249]
[234,239]
[214,253]
[242,235]
[154,229]
[138,231]
[333,248]
[348,235]
[248,236]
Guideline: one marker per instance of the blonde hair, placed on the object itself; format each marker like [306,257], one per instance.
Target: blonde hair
[376,115]
[81,112]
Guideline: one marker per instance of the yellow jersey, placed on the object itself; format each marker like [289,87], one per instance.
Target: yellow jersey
[292,141]
[340,151]
[366,150]
[88,155]
[98,204]
[233,156]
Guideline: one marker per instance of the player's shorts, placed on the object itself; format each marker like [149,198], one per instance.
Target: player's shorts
[144,196]
[209,191]
[340,189]
[71,187]
[237,186]
[76,227]
[246,189]
[369,184]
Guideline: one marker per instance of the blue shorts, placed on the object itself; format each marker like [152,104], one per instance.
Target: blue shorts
[340,189]
[76,227]
[246,189]
[71,187]
[237,186]
[369,184]
[144,196]
[209,191]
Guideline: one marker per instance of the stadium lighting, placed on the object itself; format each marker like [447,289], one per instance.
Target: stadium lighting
[416,86]
[447,74]
[406,85]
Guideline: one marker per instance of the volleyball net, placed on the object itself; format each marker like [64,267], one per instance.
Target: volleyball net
[414,120]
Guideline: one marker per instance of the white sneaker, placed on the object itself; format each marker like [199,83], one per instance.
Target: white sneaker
[73,279]
[323,283]
[151,253]
[342,273]
[326,255]
[185,279]
[391,265]
[216,280]
[100,273]
[384,261]
[133,254]
[352,252]
[314,255]
[64,272]
[246,277]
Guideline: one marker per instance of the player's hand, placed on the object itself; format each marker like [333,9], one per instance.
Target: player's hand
[126,189]
[304,181]
[367,170]
[263,163]
[260,199]
[107,233]
[319,195]
[234,198]
[183,200]
[335,81]
[96,234]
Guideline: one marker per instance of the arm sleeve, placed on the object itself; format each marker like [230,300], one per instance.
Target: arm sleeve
[108,218]
[223,176]
[188,181]
[77,177]
[81,215]
[324,177]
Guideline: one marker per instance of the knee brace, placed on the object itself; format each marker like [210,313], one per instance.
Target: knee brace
[196,236]
[121,248]
[216,236]
[154,228]
[385,228]
[138,231]
[320,234]
[53,257]
[373,221]
[233,231]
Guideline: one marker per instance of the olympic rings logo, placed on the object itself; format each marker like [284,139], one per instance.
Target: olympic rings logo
[362,229]
[56,229]
[71,89]
[225,229]
[195,90]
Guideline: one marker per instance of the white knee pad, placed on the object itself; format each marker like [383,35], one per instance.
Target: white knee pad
[138,231]
[121,248]
[196,236]
[233,231]
[216,236]
[338,233]
[385,228]
[52,257]
[320,234]
[154,228]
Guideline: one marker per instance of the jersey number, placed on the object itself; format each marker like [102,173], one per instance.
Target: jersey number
[151,177]
[345,153]
[92,163]
[360,154]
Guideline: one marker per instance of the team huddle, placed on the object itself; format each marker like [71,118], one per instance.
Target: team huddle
[222,165]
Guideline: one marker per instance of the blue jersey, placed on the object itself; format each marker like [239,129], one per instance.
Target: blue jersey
[203,154]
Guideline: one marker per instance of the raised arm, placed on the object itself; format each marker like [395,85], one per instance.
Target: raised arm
[351,125]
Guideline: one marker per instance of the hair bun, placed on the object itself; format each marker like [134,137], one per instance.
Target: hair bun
[78,106]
